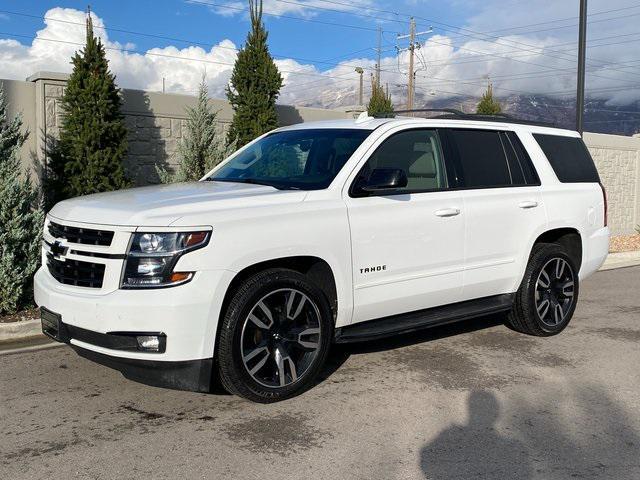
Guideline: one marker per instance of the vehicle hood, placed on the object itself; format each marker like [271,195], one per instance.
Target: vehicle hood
[162,205]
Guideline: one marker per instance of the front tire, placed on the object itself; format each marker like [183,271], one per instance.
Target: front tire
[274,337]
[547,297]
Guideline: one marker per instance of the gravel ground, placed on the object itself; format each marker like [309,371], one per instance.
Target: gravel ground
[467,401]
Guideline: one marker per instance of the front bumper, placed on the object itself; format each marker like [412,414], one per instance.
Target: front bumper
[192,375]
[186,314]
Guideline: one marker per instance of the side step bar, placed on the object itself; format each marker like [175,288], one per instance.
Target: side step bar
[418,320]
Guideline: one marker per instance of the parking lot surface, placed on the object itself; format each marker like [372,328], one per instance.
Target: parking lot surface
[473,400]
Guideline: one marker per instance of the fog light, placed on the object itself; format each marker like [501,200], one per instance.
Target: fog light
[150,343]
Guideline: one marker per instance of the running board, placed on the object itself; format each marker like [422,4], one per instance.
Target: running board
[430,317]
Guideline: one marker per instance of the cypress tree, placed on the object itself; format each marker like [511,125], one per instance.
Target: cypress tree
[201,147]
[21,218]
[489,105]
[255,84]
[93,139]
[380,102]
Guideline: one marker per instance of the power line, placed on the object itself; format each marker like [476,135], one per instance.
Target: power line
[175,39]
[435,22]
[365,28]
[187,41]
[277,15]
[514,59]
[219,46]
[161,55]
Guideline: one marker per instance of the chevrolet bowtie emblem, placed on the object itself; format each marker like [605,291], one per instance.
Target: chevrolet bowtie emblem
[58,250]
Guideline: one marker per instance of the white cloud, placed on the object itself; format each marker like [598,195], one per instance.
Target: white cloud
[304,8]
[64,34]
[516,60]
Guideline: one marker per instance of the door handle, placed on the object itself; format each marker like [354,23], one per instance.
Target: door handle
[528,204]
[447,212]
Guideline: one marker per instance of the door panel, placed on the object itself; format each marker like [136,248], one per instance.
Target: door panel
[500,225]
[405,257]
[407,245]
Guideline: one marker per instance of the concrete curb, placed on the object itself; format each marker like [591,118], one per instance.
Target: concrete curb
[20,330]
[621,260]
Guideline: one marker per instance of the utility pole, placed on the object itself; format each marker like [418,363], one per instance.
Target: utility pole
[412,48]
[379,50]
[582,50]
[360,71]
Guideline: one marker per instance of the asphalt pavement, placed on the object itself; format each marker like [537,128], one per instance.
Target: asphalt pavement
[473,400]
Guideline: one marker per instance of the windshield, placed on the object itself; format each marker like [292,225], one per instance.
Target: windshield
[294,159]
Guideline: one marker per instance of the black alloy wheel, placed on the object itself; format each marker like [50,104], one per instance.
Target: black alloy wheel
[274,337]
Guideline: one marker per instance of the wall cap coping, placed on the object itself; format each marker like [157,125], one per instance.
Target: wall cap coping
[44,75]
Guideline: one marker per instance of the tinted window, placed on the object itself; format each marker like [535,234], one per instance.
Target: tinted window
[515,169]
[569,158]
[530,175]
[305,159]
[481,158]
[417,153]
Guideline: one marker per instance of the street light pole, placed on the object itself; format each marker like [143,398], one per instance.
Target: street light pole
[582,49]
[360,71]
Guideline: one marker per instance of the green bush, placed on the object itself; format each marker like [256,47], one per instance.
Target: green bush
[380,102]
[21,218]
[488,104]
[202,145]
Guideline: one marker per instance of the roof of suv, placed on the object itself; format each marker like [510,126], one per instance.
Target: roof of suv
[371,123]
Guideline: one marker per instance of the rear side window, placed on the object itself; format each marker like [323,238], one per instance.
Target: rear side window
[524,164]
[482,160]
[569,158]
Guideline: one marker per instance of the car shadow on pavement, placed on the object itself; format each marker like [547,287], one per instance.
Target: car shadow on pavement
[340,353]
[476,449]
[531,437]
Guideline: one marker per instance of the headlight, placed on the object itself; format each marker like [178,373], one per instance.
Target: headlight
[152,257]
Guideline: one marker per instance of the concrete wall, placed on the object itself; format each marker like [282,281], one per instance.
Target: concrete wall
[618,161]
[21,101]
[156,121]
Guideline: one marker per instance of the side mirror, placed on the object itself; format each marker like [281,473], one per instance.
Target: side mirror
[382,179]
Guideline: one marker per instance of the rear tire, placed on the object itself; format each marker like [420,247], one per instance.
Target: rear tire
[547,298]
[274,337]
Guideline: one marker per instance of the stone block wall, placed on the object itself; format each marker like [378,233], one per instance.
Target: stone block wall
[617,159]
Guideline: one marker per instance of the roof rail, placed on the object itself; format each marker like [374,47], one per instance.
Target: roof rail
[454,114]
[452,111]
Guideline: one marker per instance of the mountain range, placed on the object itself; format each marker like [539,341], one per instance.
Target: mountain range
[600,117]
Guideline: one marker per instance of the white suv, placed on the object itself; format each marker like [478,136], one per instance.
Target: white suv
[319,233]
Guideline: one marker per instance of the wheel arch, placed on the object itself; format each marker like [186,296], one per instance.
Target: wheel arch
[317,269]
[567,237]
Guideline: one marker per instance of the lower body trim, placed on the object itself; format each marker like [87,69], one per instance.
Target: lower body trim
[191,375]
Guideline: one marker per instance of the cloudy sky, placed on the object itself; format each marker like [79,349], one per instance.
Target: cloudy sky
[523,46]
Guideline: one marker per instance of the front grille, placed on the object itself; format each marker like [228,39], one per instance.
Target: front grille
[84,236]
[75,272]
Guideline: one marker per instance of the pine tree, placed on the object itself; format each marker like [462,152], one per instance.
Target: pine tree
[21,218]
[488,105]
[380,102]
[202,146]
[255,84]
[93,139]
